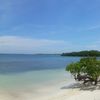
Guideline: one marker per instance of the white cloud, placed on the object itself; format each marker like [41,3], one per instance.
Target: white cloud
[15,44]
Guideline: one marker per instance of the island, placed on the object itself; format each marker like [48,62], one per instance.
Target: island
[87,53]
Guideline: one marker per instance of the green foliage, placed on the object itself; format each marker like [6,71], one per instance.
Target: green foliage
[90,53]
[74,69]
[85,69]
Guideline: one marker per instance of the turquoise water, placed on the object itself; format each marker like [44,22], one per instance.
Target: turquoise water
[32,72]
[32,78]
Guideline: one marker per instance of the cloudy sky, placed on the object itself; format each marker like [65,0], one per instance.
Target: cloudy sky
[49,26]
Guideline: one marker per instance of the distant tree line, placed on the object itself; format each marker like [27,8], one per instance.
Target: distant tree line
[91,53]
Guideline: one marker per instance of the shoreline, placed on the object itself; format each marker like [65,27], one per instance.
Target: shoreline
[63,91]
[59,88]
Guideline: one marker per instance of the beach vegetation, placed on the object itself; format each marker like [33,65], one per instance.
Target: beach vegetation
[86,70]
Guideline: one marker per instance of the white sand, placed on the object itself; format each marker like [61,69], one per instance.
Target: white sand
[60,92]
[76,93]
[87,95]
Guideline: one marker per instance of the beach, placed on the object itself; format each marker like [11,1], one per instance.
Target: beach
[49,49]
[41,77]
[28,86]
[60,92]
[59,89]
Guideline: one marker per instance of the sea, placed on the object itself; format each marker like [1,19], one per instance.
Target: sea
[32,74]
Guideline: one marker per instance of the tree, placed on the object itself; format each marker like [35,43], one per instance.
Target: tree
[87,53]
[86,70]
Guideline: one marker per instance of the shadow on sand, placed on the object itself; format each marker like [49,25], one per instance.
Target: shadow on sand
[81,86]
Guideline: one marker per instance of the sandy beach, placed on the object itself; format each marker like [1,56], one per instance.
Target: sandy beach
[74,91]
[78,92]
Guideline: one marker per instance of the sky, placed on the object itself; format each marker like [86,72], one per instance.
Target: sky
[49,26]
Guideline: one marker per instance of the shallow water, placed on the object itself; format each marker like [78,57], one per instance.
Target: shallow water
[24,70]
[34,75]
[32,78]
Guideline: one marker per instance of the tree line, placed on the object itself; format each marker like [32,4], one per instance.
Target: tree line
[83,53]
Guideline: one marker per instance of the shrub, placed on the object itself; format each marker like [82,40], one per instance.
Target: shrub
[86,70]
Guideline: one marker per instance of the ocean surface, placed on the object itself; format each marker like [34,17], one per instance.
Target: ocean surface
[32,72]
[17,63]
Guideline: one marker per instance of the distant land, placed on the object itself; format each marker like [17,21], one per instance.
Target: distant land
[86,53]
